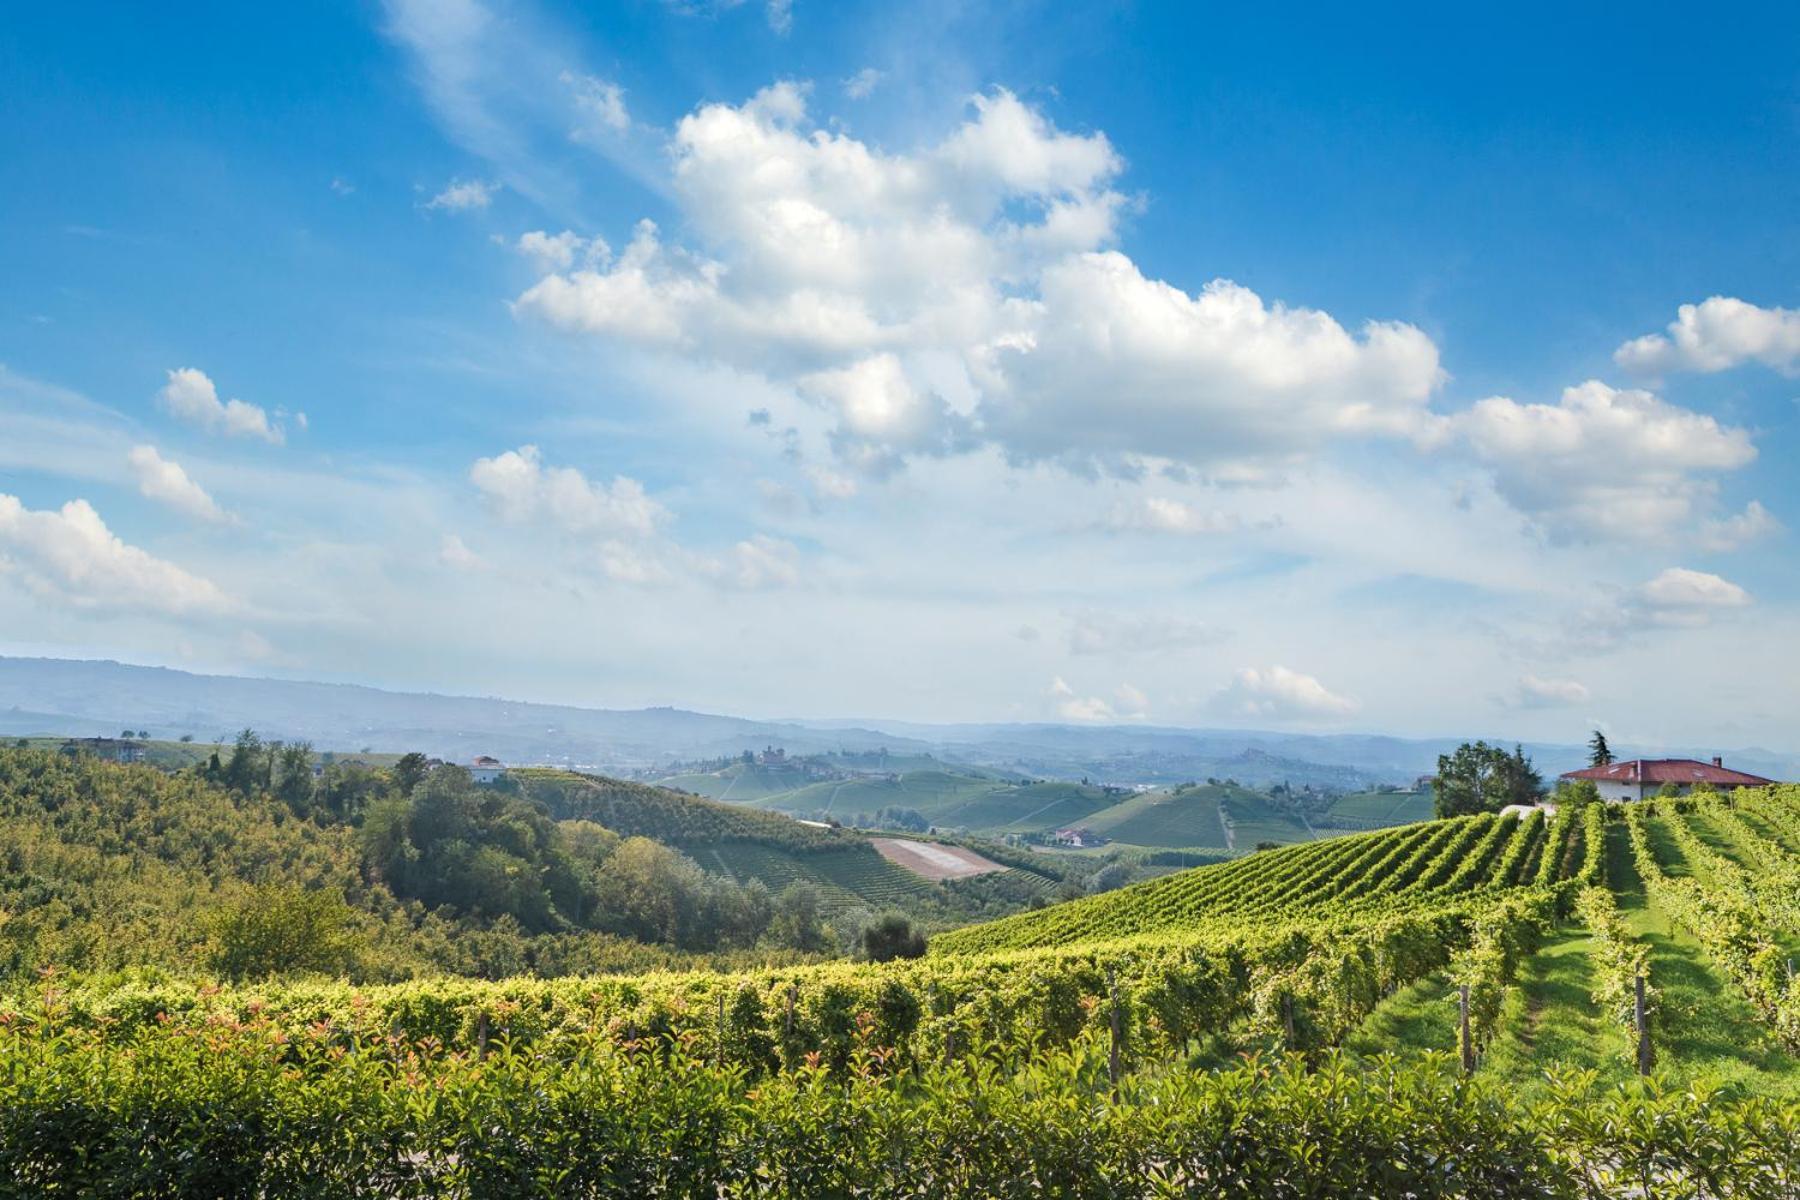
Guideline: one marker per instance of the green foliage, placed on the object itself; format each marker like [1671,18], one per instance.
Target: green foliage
[237,1113]
[892,936]
[1599,753]
[1482,778]
[281,930]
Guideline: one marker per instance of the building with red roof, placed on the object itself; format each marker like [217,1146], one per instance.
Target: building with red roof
[1644,777]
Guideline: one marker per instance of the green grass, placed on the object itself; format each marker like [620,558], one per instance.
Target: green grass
[1421,1016]
[1551,1020]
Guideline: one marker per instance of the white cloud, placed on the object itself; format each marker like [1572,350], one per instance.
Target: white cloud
[1069,706]
[861,85]
[600,103]
[190,396]
[1534,692]
[342,187]
[164,481]
[69,556]
[1120,634]
[521,488]
[1715,335]
[977,271]
[560,251]
[1279,694]
[1604,462]
[1130,702]
[1162,514]
[780,15]
[454,552]
[761,562]
[1678,590]
[462,195]
[1740,529]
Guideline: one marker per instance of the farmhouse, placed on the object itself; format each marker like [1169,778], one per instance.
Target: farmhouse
[1079,839]
[112,749]
[1644,777]
[487,770]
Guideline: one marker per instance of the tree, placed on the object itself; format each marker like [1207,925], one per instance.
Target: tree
[892,936]
[409,772]
[294,782]
[280,929]
[1599,753]
[1483,778]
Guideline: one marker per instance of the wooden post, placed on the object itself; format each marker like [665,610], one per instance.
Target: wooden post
[1468,1044]
[1287,1019]
[1641,1018]
[1112,1055]
[719,1058]
[481,1036]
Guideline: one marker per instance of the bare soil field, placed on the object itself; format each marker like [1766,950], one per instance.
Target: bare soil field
[933,861]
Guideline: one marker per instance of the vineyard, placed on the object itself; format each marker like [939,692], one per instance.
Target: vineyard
[1456,1007]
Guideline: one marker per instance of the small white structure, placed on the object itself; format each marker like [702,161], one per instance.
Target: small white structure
[487,770]
[1642,778]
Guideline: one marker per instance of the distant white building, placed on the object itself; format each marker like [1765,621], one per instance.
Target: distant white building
[1642,778]
[487,770]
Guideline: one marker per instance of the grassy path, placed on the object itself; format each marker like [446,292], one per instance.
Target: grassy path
[1420,1016]
[1550,1021]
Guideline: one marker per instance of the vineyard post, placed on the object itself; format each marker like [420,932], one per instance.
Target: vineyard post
[1468,1045]
[1641,1017]
[1287,1018]
[481,1036]
[1112,1054]
[719,1060]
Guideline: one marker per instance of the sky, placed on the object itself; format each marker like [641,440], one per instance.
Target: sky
[1378,368]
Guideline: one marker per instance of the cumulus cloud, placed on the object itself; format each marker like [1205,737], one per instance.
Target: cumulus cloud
[190,395]
[1715,335]
[165,482]
[1279,694]
[1682,595]
[69,556]
[462,195]
[1534,692]
[600,105]
[521,488]
[1068,705]
[969,292]
[1162,514]
[756,563]
[560,251]
[454,552]
[1120,634]
[1740,529]
[1604,462]
[861,85]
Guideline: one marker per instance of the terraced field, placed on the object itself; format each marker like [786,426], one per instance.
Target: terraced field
[1377,810]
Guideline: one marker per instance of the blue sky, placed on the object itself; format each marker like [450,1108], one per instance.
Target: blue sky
[1381,368]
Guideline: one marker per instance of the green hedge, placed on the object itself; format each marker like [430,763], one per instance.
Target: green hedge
[226,1113]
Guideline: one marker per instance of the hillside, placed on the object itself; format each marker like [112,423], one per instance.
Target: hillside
[1128,1004]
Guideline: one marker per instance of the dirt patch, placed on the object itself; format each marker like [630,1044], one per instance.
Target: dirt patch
[933,861]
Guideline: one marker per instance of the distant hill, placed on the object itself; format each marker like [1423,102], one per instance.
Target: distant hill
[62,696]
[46,696]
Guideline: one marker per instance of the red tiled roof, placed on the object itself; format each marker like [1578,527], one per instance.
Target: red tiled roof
[1668,770]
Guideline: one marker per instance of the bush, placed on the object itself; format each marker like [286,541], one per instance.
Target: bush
[892,936]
